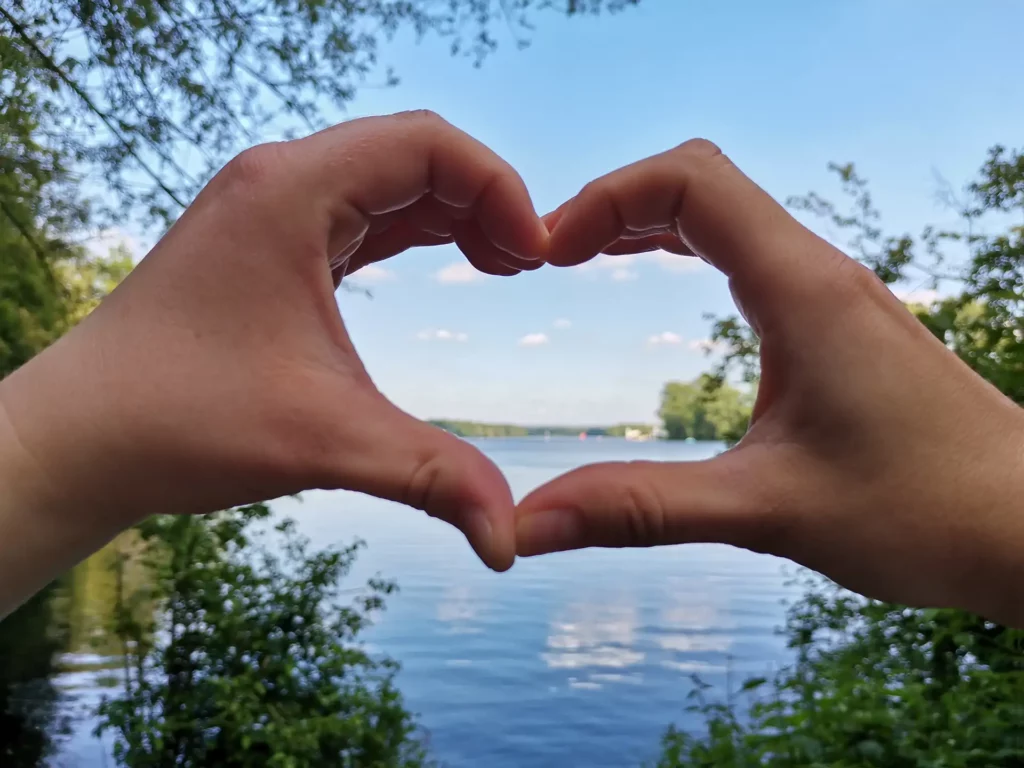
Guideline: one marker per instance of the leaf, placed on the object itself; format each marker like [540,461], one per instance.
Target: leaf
[753,683]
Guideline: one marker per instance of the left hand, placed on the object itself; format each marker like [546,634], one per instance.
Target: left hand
[220,371]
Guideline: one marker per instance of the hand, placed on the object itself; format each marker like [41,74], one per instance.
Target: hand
[874,455]
[220,371]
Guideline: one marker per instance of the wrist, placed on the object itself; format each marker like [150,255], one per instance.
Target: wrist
[48,522]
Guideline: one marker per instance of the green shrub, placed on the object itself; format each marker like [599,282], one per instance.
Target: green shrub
[239,653]
[872,684]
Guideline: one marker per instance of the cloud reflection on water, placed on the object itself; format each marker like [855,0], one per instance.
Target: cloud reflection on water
[459,608]
[594,635]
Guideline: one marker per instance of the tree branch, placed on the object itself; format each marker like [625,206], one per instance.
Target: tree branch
[87,100]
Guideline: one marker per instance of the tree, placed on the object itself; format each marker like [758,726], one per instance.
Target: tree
[149,98]
[706,409]
[249,657]
[983,318]
[876,683]
[36,218]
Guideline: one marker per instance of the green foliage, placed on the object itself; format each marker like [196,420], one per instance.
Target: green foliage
[147,99]
[620,430]
[480,429]
[44,293]
[981,263]
[876,683]
[873,684]
[154,96]
[240,653]
[36,219]
[705,409]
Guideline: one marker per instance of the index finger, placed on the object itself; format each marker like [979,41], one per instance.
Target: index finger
[695,192]
[379,164]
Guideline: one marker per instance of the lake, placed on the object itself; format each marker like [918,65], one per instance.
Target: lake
[581,658]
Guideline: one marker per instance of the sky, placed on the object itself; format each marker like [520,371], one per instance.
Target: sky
[905,89]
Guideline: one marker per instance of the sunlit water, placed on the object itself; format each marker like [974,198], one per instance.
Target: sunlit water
[579,659]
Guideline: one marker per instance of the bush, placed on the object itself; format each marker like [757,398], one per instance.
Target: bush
[872,684]
[240,655]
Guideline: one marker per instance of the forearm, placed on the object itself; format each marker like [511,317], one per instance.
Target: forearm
[44,528]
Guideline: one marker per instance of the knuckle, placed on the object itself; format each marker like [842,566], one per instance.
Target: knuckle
[854,282]
[425,116]
[643,514]
[592,189]
[253,166]
[700,156]
[700,148]
[424,483]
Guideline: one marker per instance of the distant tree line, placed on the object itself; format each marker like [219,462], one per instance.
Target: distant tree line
[484,429]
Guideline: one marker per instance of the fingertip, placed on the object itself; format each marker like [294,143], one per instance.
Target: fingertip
[548,530]
[536,241]
[491,533]
[550,220]
[577,235]
[450,479]
[485,510]
[509,220]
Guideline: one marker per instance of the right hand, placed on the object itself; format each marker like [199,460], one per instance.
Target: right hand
[875,456]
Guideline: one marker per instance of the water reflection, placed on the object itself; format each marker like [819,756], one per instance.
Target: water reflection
[58,644]
[684,625]
[458,610]
[693,624]
[580,659]
[594,635]
[31,720]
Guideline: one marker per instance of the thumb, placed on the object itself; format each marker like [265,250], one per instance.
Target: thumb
[645,504]
[389,454]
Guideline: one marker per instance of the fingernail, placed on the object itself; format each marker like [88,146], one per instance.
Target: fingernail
[496,555]
[550,530]
[480,533]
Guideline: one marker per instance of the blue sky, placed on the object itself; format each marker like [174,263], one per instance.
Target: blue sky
[904,89]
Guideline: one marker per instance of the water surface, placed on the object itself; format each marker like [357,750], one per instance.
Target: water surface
[580,658]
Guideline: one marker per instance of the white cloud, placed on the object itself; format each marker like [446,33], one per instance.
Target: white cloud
[459,272]
[917,295]
[617,265]
[665,337]
[373,273]
[562,323]
[441,334]
[534,340]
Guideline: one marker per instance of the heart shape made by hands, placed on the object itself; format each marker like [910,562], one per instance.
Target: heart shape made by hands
[223,359]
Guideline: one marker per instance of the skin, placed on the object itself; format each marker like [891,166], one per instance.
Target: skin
[220,373]
[875,455]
